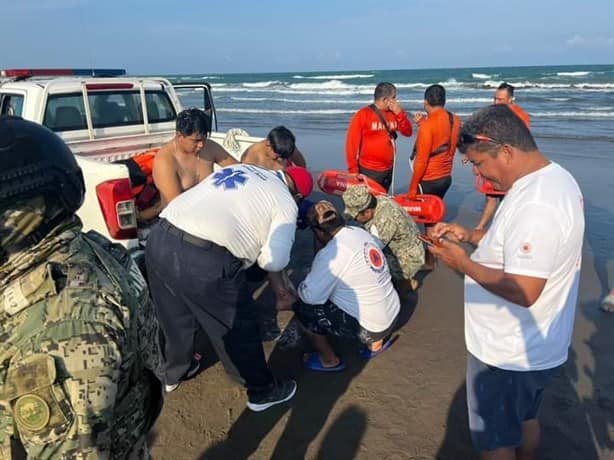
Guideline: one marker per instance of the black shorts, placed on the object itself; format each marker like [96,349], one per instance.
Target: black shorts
[384,178]
[330,319]
[437,187]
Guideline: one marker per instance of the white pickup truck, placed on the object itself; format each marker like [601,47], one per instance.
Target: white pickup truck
[104,117]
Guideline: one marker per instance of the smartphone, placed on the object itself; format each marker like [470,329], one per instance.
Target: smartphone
[429,241]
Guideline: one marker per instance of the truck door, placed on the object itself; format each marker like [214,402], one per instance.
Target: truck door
[208,105]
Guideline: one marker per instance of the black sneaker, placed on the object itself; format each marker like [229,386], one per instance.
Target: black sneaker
[192,371]
[281,392]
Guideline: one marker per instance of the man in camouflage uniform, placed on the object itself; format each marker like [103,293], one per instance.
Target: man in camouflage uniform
[397,231]
[78,336]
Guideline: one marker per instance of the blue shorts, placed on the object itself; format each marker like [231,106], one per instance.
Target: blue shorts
[499,401]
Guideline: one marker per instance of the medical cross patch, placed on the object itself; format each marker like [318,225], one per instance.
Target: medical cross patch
[229,178]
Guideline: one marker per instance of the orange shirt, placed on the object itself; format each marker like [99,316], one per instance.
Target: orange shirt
[432,134]
[368,142]
[524,116]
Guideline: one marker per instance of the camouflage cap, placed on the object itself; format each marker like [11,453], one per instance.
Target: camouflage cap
[356,199]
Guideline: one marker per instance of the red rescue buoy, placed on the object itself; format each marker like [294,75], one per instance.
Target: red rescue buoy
[427,209]
[336,182]
[486,187]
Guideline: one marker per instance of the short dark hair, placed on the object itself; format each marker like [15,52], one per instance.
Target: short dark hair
[282,141]
[330,226]
[435,95]
[507,87]
[499,123]
[384,89]
[190,121]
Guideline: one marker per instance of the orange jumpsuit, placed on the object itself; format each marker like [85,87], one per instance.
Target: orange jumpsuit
[368,142]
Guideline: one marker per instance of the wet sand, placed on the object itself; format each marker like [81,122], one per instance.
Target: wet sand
[408,403]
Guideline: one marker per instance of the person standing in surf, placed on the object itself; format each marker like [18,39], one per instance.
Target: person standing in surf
[504,94]
[438,132]
[371,135]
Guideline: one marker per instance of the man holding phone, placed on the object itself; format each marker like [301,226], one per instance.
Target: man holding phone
[370,142]
[521,282]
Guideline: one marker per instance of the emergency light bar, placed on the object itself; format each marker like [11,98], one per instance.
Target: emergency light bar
[25,73]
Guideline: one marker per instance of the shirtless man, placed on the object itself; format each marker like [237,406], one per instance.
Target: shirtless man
[186,159]
[277,151]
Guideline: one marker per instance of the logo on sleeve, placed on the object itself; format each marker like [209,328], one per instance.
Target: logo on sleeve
[229,178]
[374,257]
[32,412]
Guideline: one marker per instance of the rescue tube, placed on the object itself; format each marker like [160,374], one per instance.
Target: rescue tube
[486,187]
[336,182]
[426,209]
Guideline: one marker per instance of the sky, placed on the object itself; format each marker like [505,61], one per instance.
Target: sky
[259,36]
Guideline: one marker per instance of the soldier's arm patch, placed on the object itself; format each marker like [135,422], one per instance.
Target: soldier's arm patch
[41,411]
[28,289]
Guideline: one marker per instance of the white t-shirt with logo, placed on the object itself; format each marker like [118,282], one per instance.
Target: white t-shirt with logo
[244,208]
[537,231]
[352,272]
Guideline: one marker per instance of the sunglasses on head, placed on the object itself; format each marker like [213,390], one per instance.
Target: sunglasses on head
[467,139]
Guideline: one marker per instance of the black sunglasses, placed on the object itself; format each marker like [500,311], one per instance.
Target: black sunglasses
[467,139]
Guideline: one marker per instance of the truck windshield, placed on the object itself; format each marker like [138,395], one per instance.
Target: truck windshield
[66,112]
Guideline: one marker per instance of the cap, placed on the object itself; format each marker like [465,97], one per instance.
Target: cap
[356,199]
[302,179]
[321,212]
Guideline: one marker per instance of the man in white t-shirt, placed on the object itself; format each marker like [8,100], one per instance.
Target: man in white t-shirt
[347,293]
[521,282]
[196,259]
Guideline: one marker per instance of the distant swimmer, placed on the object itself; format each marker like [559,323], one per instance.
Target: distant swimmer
[277,151]
[370,145]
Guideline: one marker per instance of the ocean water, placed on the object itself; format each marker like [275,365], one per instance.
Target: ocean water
[571,109]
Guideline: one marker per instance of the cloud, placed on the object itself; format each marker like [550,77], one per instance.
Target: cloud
[590,42]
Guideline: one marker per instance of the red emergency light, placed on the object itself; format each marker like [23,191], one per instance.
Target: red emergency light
[103,86]
[26,73]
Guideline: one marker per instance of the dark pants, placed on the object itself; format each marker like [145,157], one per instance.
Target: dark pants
[202,284]
[384,178]
[437,187]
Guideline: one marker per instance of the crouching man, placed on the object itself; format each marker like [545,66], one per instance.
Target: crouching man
[347,293]
[389,223]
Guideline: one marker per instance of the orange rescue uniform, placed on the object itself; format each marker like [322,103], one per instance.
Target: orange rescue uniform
[432,134]
[368,142]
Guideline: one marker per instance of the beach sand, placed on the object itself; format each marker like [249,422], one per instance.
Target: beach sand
[408,403]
